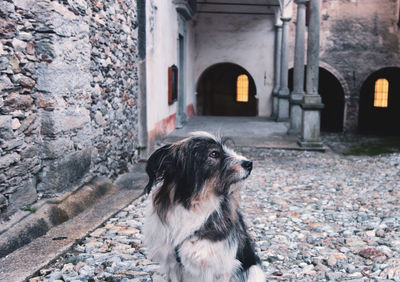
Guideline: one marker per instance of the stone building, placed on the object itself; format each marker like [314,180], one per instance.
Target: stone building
[214,42]
[68,103]
[88,86]
[359,44]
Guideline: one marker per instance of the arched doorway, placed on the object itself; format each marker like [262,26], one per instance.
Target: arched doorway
[226,89]
[332,95]
[380,103]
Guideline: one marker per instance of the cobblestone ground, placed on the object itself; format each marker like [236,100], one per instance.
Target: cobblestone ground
[314,216]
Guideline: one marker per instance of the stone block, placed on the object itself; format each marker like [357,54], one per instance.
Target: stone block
[2,51]
[98,117]
[55,122]
[27,82]
[61,78]
[14,63]
[28,124]
[25,36]
[4,62]
[61,176]
[18,45]
[56,148]
[12,144]
[30,48]
[3,202]
[47,124]
[25,4]
[30,151]
[25,195]
[75,119]
[5,83]
[18,102]
[45,51]
[9,159]
[25,166]
[15,124]
[5,123]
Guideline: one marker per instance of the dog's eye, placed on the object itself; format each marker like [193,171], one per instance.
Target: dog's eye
[215,154]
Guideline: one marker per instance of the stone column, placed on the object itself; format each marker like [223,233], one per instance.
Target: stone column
[311,103]
[277,75]
[283,104]
[298,70]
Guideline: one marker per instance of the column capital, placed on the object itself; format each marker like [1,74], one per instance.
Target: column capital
[285,19]
[299,2]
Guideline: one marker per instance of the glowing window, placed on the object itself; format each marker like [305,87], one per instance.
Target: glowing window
[242,92]
[381,93]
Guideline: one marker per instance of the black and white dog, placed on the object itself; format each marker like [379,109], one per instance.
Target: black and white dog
[193,226]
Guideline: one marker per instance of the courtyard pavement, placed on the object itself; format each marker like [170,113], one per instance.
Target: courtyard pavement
[258,132]
[313,216]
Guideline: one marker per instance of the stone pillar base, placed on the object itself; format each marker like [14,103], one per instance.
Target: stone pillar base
[275,104]
[295,114]
[283,112]
[180,121]
[310,130]
[311,145]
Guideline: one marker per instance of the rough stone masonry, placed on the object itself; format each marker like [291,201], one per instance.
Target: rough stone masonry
[68,87]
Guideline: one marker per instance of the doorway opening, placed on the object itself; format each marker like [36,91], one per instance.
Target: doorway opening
[226,89]
[332,95]
[380,103]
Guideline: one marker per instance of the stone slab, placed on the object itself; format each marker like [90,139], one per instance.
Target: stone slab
[24,262]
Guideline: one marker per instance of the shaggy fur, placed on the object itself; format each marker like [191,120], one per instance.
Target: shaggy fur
[193,225]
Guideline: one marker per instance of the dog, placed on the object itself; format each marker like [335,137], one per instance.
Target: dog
[193,226]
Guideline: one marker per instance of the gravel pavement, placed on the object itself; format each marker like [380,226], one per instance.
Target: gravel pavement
[314,217]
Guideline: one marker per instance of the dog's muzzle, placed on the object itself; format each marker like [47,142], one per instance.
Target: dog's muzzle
[247,165]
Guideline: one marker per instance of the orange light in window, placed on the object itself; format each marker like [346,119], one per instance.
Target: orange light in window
[242,91]
[381,93]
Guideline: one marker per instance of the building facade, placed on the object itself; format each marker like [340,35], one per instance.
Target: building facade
[88,87]
[359,43]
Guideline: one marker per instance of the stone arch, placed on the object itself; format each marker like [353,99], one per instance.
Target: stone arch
[333,97]
[200,72]
[339,77]
[216,91]
[366,74]
[380,120]
[335,73]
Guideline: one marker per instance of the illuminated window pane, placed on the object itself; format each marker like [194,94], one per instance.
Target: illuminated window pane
[242,92]
[381,93]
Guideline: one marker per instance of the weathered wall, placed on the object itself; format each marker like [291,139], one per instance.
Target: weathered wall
[68,85]
[246,40]
[162,52]
[358,37]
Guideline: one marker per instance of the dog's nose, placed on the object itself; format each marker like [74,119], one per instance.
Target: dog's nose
[248,165]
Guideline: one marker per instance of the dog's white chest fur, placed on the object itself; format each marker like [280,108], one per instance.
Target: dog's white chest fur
[203,260]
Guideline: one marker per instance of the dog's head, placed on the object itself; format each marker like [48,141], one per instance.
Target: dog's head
[186,169]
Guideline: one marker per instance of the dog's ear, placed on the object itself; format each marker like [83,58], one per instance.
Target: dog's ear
[187,182]
[228,141]
[158,166]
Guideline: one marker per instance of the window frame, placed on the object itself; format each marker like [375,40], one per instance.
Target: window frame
[242,84]
[381,93]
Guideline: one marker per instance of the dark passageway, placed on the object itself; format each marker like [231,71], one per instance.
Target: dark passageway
[217,91]
[332,95]
[380,103]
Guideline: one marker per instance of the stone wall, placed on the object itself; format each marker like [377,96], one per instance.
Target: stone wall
[357,39]
[68,82]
